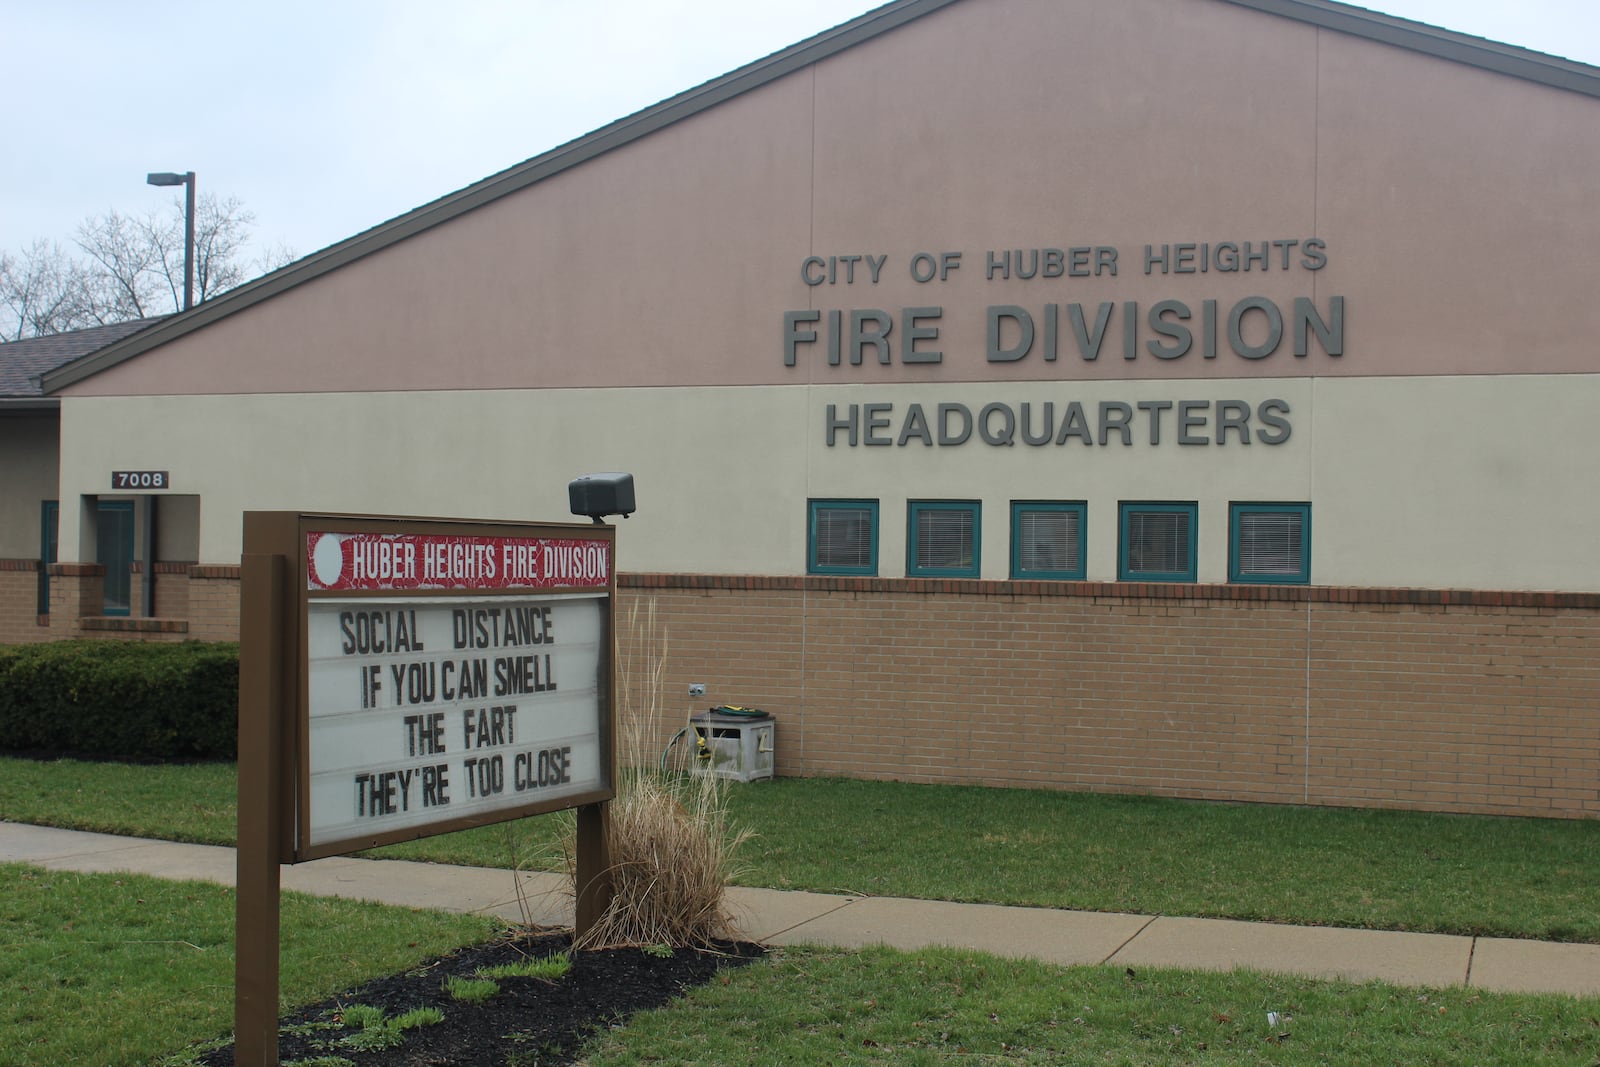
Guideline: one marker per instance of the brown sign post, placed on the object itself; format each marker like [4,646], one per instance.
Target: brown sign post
[404,677]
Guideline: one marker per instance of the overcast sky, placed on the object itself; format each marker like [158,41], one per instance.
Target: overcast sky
[326,117]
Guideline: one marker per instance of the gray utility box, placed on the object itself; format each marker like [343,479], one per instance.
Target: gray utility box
[740,747]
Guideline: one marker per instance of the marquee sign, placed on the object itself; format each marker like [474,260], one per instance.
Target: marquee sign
[437,674]
[403,677]
[432,710]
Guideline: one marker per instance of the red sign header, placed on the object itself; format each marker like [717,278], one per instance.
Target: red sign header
[357,561]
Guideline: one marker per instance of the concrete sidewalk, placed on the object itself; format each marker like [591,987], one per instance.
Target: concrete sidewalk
[783,918]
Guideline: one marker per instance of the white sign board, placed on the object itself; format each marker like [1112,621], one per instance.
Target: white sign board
[435,709]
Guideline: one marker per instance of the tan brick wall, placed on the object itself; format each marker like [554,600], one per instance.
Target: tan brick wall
[172,590]
[20,622]
[1471,709]
[213,602]
[77,591]
[193,603]
[1451,701]
[1341,697]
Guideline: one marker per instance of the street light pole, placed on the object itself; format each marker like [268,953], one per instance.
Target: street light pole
[184,179]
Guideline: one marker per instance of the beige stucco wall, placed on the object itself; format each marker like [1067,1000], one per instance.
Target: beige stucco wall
[707,461]
[1461,482]
[178,527]
[27,479]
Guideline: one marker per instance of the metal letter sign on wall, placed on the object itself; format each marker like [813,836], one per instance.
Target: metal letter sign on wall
[404,677]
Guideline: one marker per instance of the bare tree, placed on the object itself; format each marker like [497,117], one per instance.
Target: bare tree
[124,266]
[42,291]
[131,268]
[279,255]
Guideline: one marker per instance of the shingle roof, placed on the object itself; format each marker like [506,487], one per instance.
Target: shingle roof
[21,362]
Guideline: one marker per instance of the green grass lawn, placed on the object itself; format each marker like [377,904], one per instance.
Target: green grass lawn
[124,969]
[196,802]
[1399,870]
[121,969]
[940,1006]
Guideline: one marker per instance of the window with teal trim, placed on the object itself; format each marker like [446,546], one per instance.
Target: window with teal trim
[1269,543]
[1156,541]
[1047,539]
[942,538]
[842,537]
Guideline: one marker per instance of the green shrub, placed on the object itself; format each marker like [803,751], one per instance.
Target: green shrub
[121,700]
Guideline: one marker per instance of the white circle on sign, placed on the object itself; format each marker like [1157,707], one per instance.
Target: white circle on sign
[327,561]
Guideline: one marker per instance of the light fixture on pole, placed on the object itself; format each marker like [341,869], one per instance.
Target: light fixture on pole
[167,178]
[186,179]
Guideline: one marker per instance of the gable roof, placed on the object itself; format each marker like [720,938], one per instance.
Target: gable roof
[1507,59]
[1504,59]
[23,362]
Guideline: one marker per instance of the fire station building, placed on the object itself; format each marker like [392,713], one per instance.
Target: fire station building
[1189,397]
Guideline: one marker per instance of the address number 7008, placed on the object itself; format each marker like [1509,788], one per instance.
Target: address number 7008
[140,480]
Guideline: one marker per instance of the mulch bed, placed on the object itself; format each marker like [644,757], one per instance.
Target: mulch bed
[530,1020]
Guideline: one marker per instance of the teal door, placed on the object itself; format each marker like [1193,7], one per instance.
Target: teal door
[114,552]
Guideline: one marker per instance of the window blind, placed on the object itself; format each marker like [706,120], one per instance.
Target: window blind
[844,537]
[1050,541]
[1158,542]
[944,538]
[1271,543]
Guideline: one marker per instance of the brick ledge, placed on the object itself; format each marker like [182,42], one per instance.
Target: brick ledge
[1313,594]
[122,624]
[76,570]
[1166,591]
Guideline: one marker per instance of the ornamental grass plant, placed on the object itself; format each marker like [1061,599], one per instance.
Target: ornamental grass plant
[672,843]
